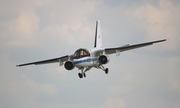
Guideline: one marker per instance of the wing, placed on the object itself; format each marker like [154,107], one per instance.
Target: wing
[130,47]
[60,59]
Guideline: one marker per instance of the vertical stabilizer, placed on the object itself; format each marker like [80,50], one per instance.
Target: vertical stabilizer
[98,40]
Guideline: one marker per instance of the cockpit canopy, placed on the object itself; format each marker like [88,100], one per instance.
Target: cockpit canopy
[81,53]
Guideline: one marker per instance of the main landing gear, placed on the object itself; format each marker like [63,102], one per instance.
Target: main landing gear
[106,70]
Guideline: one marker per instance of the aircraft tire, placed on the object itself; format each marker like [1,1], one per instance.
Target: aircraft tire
[84,75]
[80,75]
[106,70]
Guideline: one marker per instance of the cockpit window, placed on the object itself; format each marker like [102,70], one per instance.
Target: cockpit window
[81,53]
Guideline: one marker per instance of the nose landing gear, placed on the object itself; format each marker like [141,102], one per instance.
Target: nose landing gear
[80,75]
[83,70]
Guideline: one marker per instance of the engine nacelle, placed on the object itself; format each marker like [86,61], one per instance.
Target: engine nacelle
[103,59]
[69,65]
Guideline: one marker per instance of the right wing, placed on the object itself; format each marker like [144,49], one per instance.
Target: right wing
[55,60]
[130,47]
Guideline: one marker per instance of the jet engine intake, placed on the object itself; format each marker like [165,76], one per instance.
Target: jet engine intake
[69,65]
[103,59]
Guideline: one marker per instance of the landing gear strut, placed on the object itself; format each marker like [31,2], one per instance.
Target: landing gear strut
[106,70]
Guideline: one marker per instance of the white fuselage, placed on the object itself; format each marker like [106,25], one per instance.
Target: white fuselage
[90,61]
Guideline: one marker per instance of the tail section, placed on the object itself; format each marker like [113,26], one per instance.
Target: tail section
[98,40]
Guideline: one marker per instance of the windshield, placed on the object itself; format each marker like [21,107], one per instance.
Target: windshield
[81,53]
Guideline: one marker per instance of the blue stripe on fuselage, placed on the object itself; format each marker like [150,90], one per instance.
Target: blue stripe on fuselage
[86,60]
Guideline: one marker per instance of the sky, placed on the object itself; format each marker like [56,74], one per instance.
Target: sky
[33,30]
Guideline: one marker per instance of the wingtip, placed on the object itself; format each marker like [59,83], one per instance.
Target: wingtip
[166,39]
[162,40]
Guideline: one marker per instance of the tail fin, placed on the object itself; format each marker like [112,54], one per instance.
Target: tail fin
[98,40]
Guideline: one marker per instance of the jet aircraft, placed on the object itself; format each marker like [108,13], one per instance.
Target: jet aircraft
[84,59]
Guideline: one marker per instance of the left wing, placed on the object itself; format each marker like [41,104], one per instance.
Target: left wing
[130,47]
[60,59]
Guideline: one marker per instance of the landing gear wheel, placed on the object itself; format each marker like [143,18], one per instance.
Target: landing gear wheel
[106,70]
[80,75]
[84,75]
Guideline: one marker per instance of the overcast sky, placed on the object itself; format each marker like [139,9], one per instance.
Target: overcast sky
[33,30]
